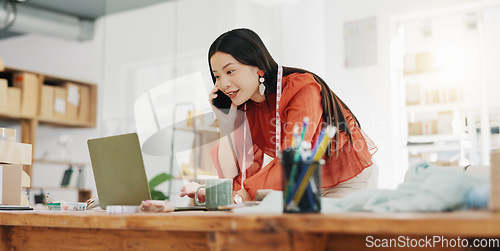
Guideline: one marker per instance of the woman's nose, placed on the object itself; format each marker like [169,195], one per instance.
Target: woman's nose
[224,84]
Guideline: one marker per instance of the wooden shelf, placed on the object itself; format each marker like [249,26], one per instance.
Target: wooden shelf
[48,77]
[427,148]
[434,138]
[45,89]
[425,76]
[437,107]
[57,188]
[65,123]
[59,162]
[59,82]
[83,194]
[12,116]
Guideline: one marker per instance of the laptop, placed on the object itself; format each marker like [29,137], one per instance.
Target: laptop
[119,171]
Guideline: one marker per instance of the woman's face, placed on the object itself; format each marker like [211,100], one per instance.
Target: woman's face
[238,81]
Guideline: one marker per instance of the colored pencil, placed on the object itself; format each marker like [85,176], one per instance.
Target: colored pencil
[319,152]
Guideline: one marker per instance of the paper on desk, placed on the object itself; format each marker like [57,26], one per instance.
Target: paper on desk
[271,204]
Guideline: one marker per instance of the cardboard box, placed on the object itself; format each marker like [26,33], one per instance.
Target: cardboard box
[445,95]
[60,102]
[72,101]
[412,94]
[429,127]
[430,97]
[26,180]
[435,96]
[445,122]
[2,66]
[456,95]
[12,184]
[415,128]
[28,83]
[13,180]
[409,64]
[424,62]
[47,101]
[15,153]
[8,134]
[84,109]
[494,203]
[3,95]
[14,100]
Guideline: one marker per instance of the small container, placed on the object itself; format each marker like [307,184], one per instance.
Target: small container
[77,206]
[301,186]
[54,206]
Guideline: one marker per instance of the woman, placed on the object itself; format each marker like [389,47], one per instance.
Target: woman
[248,80]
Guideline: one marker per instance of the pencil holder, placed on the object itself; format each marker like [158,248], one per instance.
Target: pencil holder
[301,187]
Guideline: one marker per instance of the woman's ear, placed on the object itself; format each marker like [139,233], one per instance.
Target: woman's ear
[260,73]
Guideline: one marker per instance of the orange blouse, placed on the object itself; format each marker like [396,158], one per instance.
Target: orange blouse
[300,98]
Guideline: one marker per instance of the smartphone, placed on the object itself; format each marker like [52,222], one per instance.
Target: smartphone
[222,102]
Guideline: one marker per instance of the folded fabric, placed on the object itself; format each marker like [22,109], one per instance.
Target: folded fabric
[428,188]
[479,197]
[271,204]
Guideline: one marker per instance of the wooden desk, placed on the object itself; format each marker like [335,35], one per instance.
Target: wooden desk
[96,230]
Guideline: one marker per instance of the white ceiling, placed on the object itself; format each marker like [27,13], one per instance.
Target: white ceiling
[91,9]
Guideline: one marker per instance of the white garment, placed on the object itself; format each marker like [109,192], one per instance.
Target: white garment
[359,182]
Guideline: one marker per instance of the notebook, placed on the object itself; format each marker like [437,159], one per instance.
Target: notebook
[119,171]
[13,208]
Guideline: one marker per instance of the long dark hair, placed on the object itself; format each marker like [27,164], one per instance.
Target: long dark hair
[247,47]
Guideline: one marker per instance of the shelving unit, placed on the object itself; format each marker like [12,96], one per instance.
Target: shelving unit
[436,113]
[83,194]
[437,120]
[81,114]
[440,77]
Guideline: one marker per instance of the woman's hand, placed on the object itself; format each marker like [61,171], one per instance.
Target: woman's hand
[245,196]
[226,121]
[189,190]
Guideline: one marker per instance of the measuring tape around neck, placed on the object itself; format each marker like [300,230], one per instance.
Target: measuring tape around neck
[278,126]
[278,120]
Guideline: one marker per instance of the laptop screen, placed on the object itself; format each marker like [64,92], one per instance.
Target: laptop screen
[119,171]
